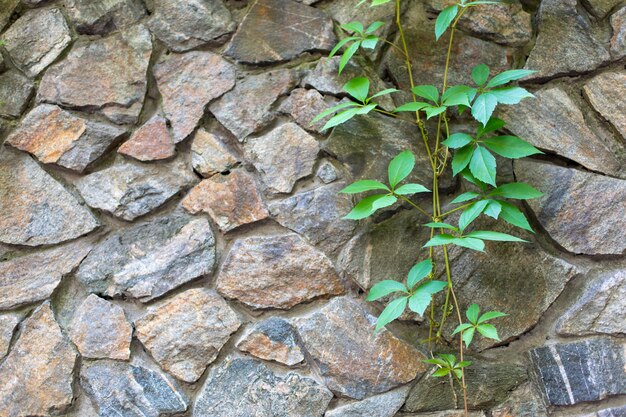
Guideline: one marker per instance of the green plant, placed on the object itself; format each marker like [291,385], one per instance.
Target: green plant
[470,156]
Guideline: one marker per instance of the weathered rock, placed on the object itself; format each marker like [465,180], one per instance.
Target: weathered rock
[151,142]
[274,339]
[382,405]
[103,16]
[304,105]
[525,401]
[607,412]
[618,41]
[188,82]
[589,370]
[553,122]
[606,94]
[186,25]
[130,189]
[601,8]
[279,30]
[100,330]
[37,373]
[151,258]
[8,323]
[120,389]
[6,10]
[34,208]
[317,215]
[327,172]
[245,387]
[210,154]
[277,271]
[36,39]
[231,200]
[353,360]
[580,210]
[15,93]
[32,278]
[248,107]
[567,42]
[185,333]
[448,413]
[56,136]
[115,84]
[283,156]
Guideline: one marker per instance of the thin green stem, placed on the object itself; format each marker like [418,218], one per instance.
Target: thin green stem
[415,206]
[447,213]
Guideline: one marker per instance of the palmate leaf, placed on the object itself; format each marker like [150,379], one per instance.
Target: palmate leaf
[374,27]
[462,328]
[516,190]
[488,330]
[470,243]
[508,76]
[412,107]
[483,166]
[434,111]
[458,140]
[490,315]
[468,336]
[510,95]
[400,167]
[393,310]
[493,209]
[471,213]
[347,55]
[419,272]
[384,92]
[358,88]
[332,110]
[480,74]
[429,92]
[456,96]
[408,189]
[340,44]
[342,117]
[483,107]
[369,205]
[462,158]
[364,185]
[513,215]
[369,42]
[492,125]
[472,313]
[444,20]
[353,27]
[510,147]
[495,236]
[470,195]
[384,288]
[423,295]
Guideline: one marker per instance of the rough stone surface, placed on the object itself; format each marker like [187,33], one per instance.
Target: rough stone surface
[588,370]
[277,271]
[274,339]
[151,258]
[606,94]
[304,105]
[278,30]
[210,153]
[382,405]
[188,82]
[601,8]
[56,136]
[115,84]
[327,172]
[231,200]
[103,16]
[131,189]
[581,211]
[618,41]
[245,387]
[8,323]
[34,208]
[447,413]
[525,401]
[283,156]
[37,373]
[183,25]
[6,10]
[151,142]
[353,360]
[15,93]
[100,330]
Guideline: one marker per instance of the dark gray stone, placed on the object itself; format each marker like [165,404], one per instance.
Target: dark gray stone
[381,405]
[273,339]
[618,41]
[601,8]
[103,16]
[327,172]
[6,10]
[15,93]
[525,401]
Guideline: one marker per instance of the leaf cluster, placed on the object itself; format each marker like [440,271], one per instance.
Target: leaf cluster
[478,324]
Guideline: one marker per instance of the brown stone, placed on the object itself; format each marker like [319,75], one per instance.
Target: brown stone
[231,200]
[151,142]
[8,324]
[273,339]
[618,41]
[607,94]
[210,154]
[103,16]
[304,105]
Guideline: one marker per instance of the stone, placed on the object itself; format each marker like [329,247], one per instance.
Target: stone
[130,189]
[210,153]
[189,24]
[448,413]
[601,8]
[230,200]
[618,41]
[525,401]
[274,339]
[187,83]
[37,39]
[553,122]
[583,371]
[151,142]
[245,387]
[600,309]
[607,412]
[606,94]
[381,405]
[150,258]
[327,172]
[279,30]
[355,361]
[283,156]
[100,330]
[37,374]
[249,106]
[304,105]
[120,389]
[8,324]
[116,82]
[15,93]
[7,7]
[589,219]
[278,271]
[567,42]
[56,136]
[317,215]
[35,209]
[103,16]
[32,278]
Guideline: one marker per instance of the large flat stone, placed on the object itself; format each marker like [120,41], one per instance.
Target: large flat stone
[6,10]
[8,324]
[211,153]
[103,16]
[304,105]
[525,401]
[151,142]
[16,91]
[618,41]
[274,339]
[381,405]
[607,94]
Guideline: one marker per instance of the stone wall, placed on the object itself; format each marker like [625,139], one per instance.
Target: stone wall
[171,240]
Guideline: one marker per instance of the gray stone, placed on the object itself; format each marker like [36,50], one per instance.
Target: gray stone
[274,339]
[151,142]
[185,333]
[187,83]
[327,172]
[382,405]
[34,208]
[354,360]
[15,93]
[448,413]
[283,156]
[36,39]
[183,25]
[581,211]
[601,8]
[103,16]
[606,93]
[304,105]
[130,189]
[618,41]
[37,374]
[150,259]
[8,324]
[588,370]
[247,388]
[120,389]
[525,401]
[115,84]
[279,30]
[210,153]
[6,10]
[56,136]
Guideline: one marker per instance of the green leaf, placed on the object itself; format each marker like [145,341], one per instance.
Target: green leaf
[369,42]
[513,215]
[516,190]
[472,313]
[340,44]
[440,225]
[407,189]
[510,95]
[358,88]
[490,315]
[353,27]
[367,109]
[436,361]
[493,209]
[480,74]
[462,158]
[347,55]
[384,288]
[369,205]
[483,107]
[441,372]
[400,167]
[471,213]
[332,110]
[444,20]
[463,364]
[364,185]
[458,373]
[467,175]
[495,236]
[413,106]
[462,328]
[483,166]
[434,111]
[450,359]
[432,287]
[385,92]
[470,243]
[429,92]
[374,27]
[379,2]
[492,125]
[341,118]
[419,302]
[391,312]
[511,147]
[458,140]
[438,240]
[508,76]
[456,96]
[468,335]
[470,195]
[489,331]
[419,272]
